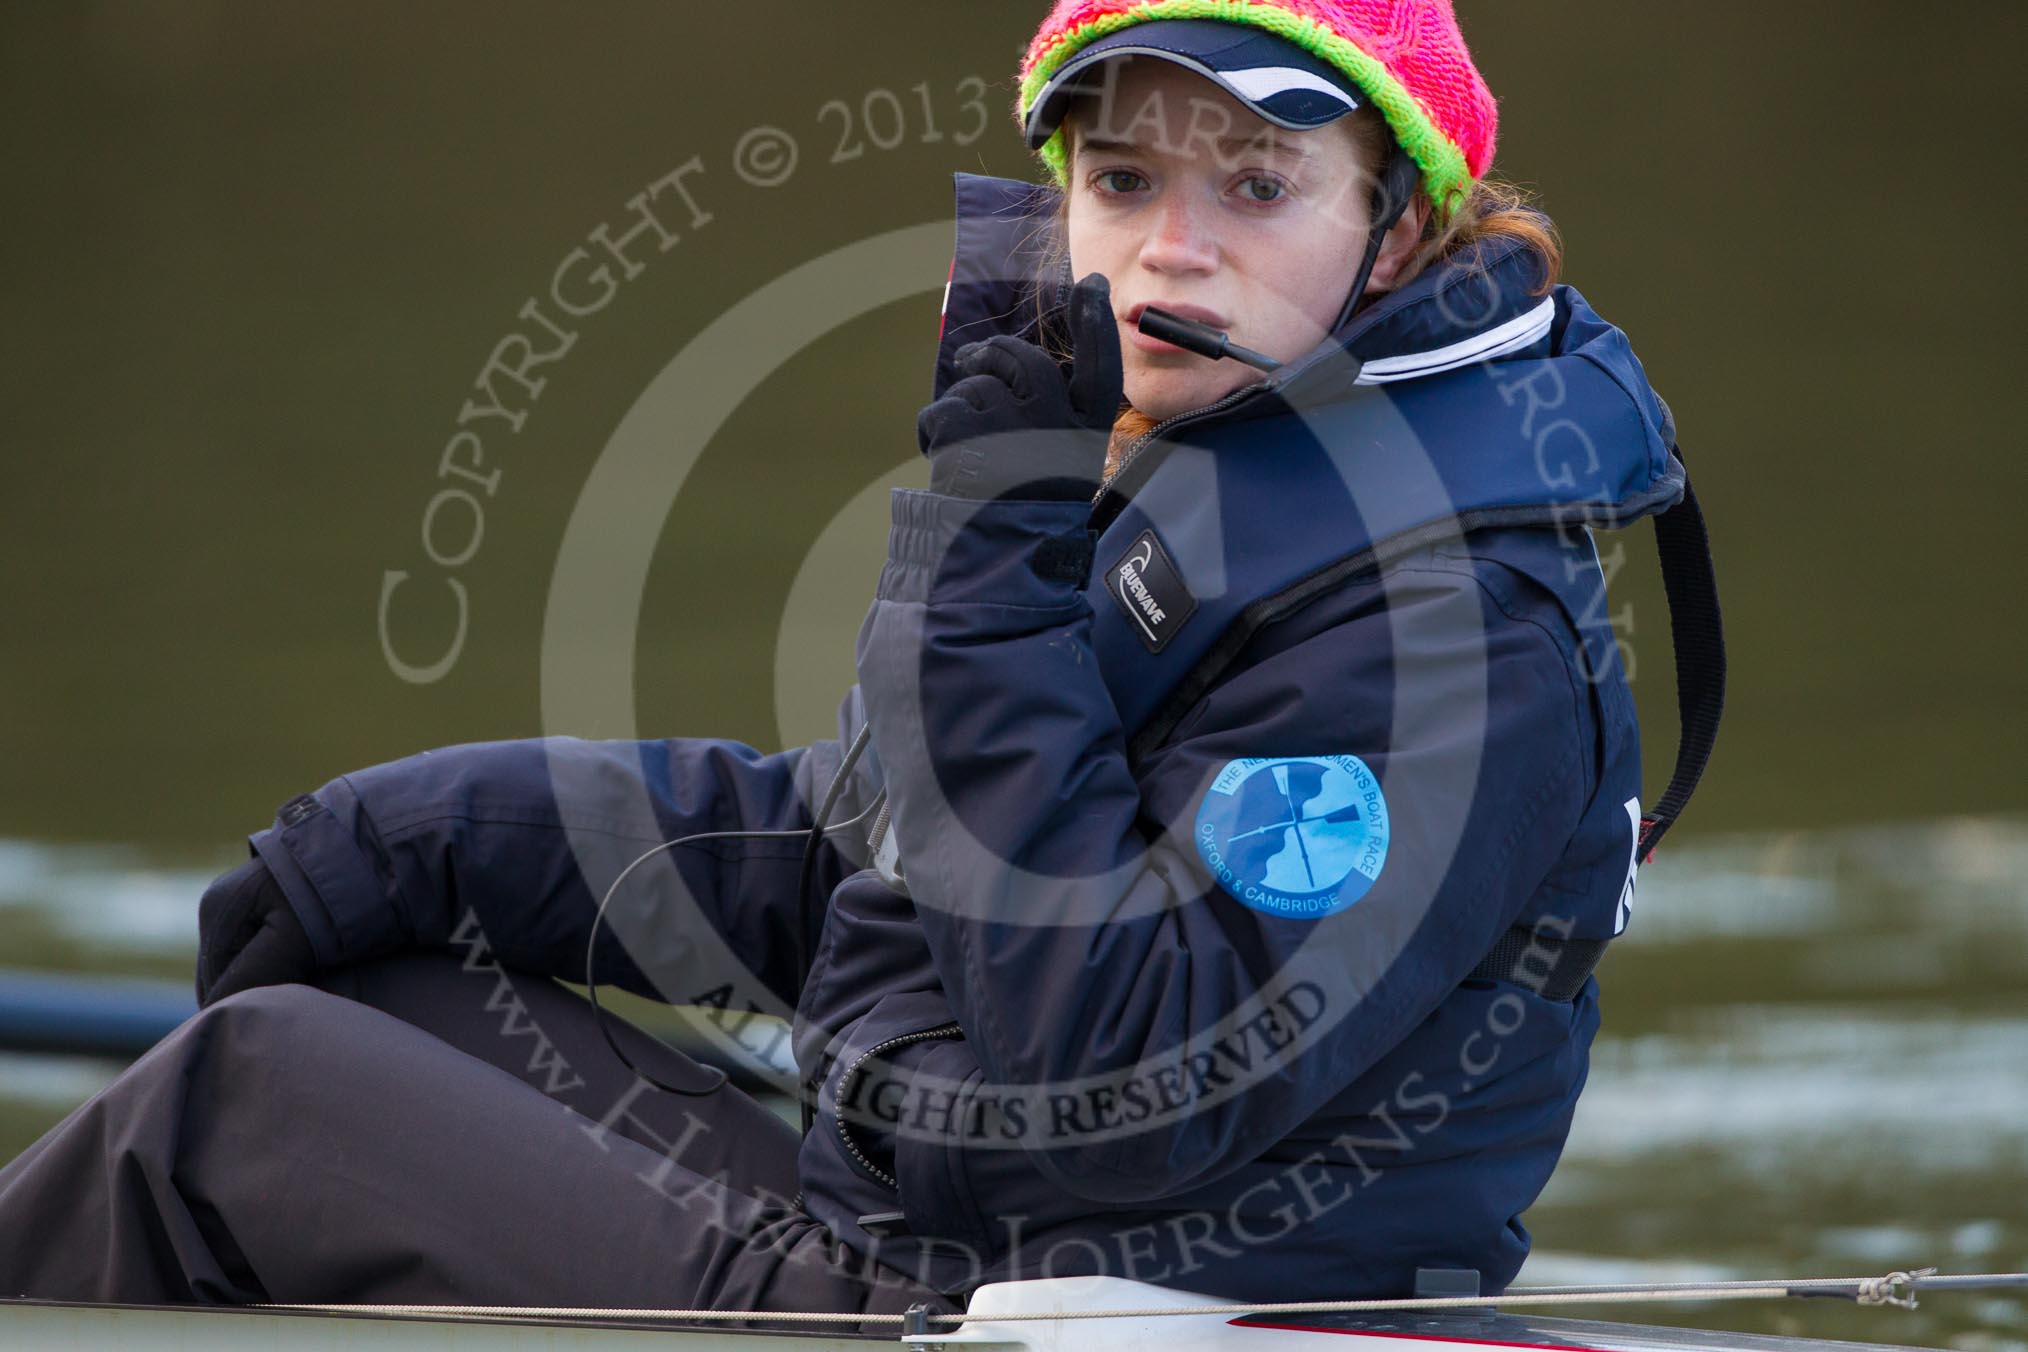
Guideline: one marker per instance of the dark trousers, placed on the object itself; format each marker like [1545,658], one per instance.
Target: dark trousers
[416,1130]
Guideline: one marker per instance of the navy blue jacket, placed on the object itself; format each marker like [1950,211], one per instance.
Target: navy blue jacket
[1207,801]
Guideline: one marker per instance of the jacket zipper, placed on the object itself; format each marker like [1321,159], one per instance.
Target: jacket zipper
[1188,415]
[949,1030]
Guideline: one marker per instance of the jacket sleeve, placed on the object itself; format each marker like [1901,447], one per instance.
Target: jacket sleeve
[522,838]
[1160,1028]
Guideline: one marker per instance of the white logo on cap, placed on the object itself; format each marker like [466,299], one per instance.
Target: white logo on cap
[1266,81]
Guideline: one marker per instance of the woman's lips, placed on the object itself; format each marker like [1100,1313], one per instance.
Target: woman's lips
[1187,311]
[1152,345]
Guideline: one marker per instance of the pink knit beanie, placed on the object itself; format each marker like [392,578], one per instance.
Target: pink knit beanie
[1408,56]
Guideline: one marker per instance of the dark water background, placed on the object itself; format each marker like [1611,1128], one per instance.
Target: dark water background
[254,257]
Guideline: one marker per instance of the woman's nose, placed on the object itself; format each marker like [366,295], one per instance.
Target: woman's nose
[1179,238]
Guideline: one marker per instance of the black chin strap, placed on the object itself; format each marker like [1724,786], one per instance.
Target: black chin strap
[1391,196]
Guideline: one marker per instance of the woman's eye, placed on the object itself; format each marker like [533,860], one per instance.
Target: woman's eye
[1260,188]
[1117,180]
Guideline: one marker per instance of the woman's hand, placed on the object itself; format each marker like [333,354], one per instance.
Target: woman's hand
[247,936]
[1014,426]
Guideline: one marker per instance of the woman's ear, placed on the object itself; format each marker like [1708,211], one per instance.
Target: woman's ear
[1400,245]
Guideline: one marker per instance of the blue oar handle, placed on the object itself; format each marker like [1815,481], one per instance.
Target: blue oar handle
[88,1016]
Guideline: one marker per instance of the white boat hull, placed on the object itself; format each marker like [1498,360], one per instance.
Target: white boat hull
[1002,1318]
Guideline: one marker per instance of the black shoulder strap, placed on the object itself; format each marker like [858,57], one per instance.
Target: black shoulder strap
[1540,958]
[1698,636]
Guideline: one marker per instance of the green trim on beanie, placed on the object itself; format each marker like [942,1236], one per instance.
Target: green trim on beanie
[1444,175]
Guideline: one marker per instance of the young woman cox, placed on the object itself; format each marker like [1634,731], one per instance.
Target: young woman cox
[1204,885]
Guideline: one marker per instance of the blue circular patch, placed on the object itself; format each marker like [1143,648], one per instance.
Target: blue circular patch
[1301,836]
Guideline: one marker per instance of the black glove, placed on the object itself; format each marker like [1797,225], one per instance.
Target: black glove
[247,936]
[1014,425]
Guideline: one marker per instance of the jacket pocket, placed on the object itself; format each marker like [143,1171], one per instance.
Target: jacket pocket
[903,1115]
[939,1142]
[867,1099]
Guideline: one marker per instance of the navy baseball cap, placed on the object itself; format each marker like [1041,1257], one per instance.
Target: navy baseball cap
[1278,80]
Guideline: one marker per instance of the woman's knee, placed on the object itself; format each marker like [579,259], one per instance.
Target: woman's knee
[255,1006]
[285,1026]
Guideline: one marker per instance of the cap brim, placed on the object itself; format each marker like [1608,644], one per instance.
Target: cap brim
[1278,81]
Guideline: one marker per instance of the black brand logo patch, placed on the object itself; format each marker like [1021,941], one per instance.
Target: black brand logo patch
[1145,584]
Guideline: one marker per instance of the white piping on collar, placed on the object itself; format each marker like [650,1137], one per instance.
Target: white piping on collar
[1498,341]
